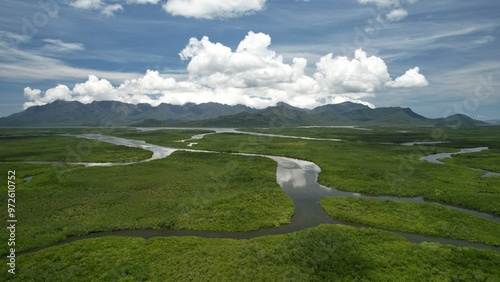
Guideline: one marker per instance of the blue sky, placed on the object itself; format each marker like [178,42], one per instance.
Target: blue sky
[437,57]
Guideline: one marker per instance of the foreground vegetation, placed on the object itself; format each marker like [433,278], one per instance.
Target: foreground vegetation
[422,218]
[323,253]
[197,191]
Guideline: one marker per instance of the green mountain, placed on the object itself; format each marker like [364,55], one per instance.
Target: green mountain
[393,115]
[102,113]
[106,113]
[339,108]
[458,120]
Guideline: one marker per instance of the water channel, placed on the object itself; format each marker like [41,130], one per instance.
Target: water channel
[298,180]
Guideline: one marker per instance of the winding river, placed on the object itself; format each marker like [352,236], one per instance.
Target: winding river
[298,180]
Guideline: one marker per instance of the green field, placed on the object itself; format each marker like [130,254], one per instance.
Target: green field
[223,192]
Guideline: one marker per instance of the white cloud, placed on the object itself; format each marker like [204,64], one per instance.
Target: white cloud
[143,1]
[381,3]
[391,9]
[104,8]
[58,45]
[87,4]
[211,9]
[412,78]
[32,94]
[60,92]
[396,15]
[387,3]
[251,65]
[360,75]
[109,10]
[253,75]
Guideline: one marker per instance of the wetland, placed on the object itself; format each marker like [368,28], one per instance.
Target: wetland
[279,185]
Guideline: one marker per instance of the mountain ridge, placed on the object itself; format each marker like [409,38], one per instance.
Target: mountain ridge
[113,113]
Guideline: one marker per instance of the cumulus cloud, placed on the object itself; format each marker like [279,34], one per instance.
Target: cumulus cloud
[412,78]
[60,92]
[252,74]
[211,9]
[362,74]
[251,65]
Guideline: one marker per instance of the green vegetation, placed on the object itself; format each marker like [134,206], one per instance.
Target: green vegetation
[66,149]
[487,160]
[372,134]
[423,218]
[378,169]
[162,137]
[323,253]
[197,191]
[478,136]
[222,192]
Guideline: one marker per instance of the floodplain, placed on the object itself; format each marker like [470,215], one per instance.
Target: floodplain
[225,184]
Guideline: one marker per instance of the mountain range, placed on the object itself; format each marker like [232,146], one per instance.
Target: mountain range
[107,113]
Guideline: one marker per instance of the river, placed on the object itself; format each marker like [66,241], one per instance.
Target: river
[297,178]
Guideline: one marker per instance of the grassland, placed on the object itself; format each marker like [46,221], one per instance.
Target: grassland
[194,191]
[422,218]
[324,253]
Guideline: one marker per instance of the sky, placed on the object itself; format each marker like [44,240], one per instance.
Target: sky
[438,57]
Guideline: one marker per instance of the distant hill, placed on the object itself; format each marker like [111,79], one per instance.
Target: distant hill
[281,115]
[339,108]
[393,115]
[106,113]
[458,120]
[70,113]
[493,121]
